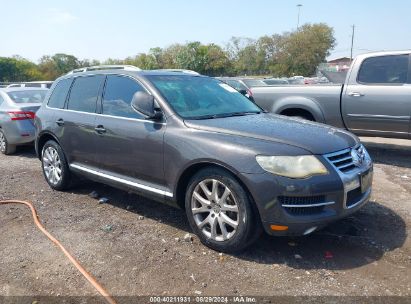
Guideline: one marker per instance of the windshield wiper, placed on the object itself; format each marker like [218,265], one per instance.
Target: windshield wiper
[213,116]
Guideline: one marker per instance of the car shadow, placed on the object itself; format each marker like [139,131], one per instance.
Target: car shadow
[27,151]
[389,153]
[357,240]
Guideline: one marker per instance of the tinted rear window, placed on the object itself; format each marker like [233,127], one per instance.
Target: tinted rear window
[28,96]
[84,93]
[384,70]
[59,95]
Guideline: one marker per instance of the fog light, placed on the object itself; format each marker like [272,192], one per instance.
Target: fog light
[310,230]
[278,227]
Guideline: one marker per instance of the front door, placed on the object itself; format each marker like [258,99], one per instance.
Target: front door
[129,147]
[378,101]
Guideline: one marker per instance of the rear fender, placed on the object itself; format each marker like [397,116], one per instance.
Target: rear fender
[297,102]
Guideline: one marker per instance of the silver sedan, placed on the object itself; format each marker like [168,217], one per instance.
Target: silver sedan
[17,110]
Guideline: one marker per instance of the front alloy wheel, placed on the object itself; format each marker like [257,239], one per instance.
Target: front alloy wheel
[220,211]
[215,210]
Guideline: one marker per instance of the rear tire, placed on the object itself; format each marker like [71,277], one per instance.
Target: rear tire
[5,147]
[55,168]
[220,211]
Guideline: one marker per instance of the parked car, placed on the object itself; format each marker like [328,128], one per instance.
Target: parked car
[276,81]
[32,84]
[239,86]
[195,142]
[17,110]
[374,101]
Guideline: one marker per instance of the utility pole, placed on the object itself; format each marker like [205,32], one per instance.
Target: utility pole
[298,16]
[352,40]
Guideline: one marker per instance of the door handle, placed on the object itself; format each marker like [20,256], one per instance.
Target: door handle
[355,94]
[60,122]
[100,129]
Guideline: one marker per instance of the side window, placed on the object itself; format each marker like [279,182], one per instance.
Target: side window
[84,93]
[117,96]
[59,95]
[384,70]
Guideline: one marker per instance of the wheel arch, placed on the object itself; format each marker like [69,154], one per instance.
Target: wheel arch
[299,104]
[192,169]
[41,141]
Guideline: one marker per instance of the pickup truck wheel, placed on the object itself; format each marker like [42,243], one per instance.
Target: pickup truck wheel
[303,117]
[219,211]
[55,167]
[5,147]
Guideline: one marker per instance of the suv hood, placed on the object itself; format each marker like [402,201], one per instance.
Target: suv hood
[313,137]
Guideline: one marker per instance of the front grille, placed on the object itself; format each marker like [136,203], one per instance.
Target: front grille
[342,160]
[304,205]
[353,197]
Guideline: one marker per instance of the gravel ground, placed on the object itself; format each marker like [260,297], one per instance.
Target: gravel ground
[135,246]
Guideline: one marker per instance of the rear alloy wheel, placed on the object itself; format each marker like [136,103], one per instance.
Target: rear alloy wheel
[55,168]
[5,147]
[220,211]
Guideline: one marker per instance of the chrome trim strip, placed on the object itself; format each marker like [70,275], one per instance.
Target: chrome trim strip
[342,159]
[379,131]
[118,117]
[366,197]
[344,166]
[308,205]
[380,116]
[123,181]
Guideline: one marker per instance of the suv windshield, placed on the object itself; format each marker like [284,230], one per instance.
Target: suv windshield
[202,97]
[28,96]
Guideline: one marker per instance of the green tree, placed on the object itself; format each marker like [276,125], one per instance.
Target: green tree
[54,66]
[18,69]
[300,52]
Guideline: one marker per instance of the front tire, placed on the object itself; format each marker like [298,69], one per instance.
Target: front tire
[55,168]
[220,211]
[5,147]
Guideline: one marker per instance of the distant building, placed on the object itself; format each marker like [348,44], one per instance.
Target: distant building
[340,64]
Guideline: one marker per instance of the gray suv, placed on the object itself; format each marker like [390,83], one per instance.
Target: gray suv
[197,143]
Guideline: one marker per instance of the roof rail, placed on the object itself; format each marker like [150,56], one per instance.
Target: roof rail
[105,67]
[180,71]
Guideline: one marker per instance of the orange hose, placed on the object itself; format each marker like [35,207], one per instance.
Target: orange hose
[80,268]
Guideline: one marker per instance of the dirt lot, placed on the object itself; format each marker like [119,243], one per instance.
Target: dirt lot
[369,252]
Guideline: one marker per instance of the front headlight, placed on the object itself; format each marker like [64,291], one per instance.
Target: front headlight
[292,166]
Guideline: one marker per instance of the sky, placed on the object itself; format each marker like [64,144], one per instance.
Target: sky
[116,29]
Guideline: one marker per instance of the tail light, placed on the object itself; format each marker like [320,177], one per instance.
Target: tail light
[21,115]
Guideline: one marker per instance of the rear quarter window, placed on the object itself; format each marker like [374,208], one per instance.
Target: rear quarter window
[391,69]
[59,95]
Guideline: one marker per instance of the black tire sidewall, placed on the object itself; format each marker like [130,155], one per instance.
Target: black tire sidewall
[244,232]
[9,149]
[64,183]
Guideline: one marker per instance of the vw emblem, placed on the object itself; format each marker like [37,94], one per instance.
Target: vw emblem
[357,157]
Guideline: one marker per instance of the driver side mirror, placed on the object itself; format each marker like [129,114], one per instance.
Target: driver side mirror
[145,104]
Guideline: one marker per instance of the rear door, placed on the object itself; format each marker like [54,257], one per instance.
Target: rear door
[75,124]
[130,147]
[378,100]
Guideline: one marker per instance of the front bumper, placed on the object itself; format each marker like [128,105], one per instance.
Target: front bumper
[302,206]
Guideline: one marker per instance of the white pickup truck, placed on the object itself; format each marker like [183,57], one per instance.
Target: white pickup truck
[375,99]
